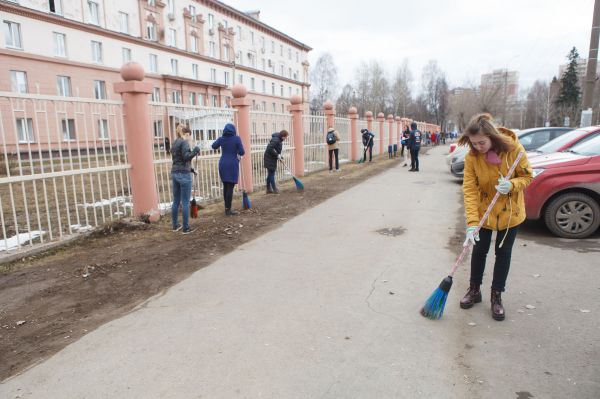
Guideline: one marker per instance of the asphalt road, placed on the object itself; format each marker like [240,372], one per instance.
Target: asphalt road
[327,306]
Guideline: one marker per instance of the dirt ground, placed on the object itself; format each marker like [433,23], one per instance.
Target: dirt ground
[50,300]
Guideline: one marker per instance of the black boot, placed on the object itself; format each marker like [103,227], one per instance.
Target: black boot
[497,308]
[472,296]
[231,212]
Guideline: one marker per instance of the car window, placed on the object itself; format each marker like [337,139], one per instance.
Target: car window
[557,133]
[589,147]
[554,145]
[588,138]
[535,139]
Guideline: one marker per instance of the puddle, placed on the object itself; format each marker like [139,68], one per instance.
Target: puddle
[391,231]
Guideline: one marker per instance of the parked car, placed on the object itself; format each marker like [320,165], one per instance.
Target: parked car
[531,139]
[565,141]
[565,191]
[536,137]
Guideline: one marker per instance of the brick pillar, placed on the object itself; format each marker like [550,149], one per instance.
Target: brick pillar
[398,131]
[138,137]
[369,117]
[242,105]
[381,120]
[354,136]
[297,110]
[390,119]
[329,113]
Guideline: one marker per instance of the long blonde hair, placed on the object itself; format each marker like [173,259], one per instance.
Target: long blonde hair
[484,123]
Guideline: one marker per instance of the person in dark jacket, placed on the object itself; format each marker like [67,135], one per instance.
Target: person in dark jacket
[272,155]
[229,163]
[367,140]
[414,144]
[405,142]
[181,175]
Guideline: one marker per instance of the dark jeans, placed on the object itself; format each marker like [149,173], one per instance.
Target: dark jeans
[271,180]
[337,161]
[182,188]
[370,150]
[228,194]
[503,255]
[414,158]
[402,150]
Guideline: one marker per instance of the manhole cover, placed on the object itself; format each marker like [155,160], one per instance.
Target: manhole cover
[391,231]
[426,182]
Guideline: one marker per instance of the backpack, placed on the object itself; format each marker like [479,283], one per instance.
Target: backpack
[331,138]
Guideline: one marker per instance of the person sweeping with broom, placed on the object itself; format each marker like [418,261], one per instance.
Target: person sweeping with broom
[272,155]
[229,163]
[493,151]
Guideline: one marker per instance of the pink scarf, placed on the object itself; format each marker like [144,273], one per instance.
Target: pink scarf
[492,158]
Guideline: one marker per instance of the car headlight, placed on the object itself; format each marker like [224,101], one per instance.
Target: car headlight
[537,172]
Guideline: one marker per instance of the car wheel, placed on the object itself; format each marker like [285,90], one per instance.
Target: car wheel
[573,215]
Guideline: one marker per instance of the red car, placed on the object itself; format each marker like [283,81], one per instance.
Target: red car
[565,141]
[565,191]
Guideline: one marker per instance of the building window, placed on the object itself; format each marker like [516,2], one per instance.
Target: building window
[176,96]
[194,44]
[282,109]
[171,6]
[272,46]
[239,57]
[251,37]
[103,129]
[263,64]
[213,75]
[262,44]
[281,69]
[211,49]
[281,50]
[99,90]
[174,67]
[25,130]
[18,80]
[252,84]
[192,11]
[214,101]
[172,37]
[297,57]
[156,94]
[274,107]
[289,91]
[239,32]
[226,53]
[13,35]
[158,130]
[153,60]
[281,90]
[63,84]
[60,44]
[151,31]
[152,3]
[264,107]
[226,78]
[195,71]
[264,86]
[124,22]
[96,52]
[211,21]
[68,129]
[126,53]
[192,98]
[273,88]
[94,13]
[55,6]
[240,78]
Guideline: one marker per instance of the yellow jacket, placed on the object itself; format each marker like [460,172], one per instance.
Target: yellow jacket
[480,179]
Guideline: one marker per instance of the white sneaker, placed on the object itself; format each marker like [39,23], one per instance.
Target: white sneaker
[338,170]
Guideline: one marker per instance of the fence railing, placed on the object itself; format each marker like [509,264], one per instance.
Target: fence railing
[64,167]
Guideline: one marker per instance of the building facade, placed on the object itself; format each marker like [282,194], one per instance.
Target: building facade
[192,51]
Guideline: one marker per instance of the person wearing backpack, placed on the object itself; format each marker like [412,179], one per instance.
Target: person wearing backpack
[367,140]
[414,143]
[333,146]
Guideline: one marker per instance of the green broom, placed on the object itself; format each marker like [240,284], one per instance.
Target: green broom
[434,306]
[299,185]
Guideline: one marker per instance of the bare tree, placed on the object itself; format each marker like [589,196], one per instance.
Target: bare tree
[536,105]
[401,95]
[372,88]
[435,92]
[345,100]
[324,81]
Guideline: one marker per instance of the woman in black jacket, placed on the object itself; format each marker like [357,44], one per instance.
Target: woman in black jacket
[182,156]
[272,155]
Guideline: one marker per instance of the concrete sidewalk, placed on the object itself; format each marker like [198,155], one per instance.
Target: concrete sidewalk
[322,307]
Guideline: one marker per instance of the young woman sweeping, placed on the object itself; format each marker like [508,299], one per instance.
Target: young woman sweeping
[493,151]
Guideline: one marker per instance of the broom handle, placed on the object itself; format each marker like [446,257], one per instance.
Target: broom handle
[485,215]
[286,168]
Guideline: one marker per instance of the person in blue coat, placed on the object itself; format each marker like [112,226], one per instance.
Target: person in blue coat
[229,164]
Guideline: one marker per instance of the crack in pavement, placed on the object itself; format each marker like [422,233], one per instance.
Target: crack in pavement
[373,290]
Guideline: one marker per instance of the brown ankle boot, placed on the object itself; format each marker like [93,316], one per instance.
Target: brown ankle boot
[497,308]
[472,297]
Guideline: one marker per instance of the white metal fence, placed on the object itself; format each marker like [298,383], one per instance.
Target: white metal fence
[315,146]
[63,167]
[342,125]
[263,125]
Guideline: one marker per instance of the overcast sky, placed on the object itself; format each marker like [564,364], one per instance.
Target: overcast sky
[466,37]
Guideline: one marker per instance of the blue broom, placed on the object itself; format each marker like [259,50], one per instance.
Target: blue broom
[434,306]
[299,185]
[246,204]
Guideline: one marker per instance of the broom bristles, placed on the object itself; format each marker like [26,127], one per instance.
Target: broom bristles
[246,201]
[299,185]
[435,304]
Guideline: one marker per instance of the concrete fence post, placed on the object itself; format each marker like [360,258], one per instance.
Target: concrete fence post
[329,113]
[242,105]
[381,120]
[354,136]
[398,130]
[390,119]
[297,111]
[369,117]
[138,138]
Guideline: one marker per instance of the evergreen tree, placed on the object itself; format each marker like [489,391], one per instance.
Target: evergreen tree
[568,100]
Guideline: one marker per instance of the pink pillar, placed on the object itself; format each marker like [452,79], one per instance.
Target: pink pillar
[398,131]
[381,120]
[329,114]
[242,105]
[369,117]
[354,137]
[297,110]
[390,119]
[134,92]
